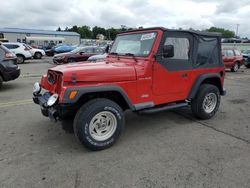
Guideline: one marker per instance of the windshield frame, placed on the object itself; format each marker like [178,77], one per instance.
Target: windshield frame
[136,33]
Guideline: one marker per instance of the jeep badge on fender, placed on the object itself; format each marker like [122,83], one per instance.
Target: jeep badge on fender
[147,71]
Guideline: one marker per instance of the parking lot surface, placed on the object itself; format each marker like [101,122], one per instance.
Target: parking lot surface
[168,149]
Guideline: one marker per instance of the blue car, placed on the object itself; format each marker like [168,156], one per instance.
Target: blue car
[64,48]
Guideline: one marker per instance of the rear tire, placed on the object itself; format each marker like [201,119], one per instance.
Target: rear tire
[1,81]
[236,67]
[207,101]
[20,59]
[99,123]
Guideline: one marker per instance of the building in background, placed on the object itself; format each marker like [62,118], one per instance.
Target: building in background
[39,37]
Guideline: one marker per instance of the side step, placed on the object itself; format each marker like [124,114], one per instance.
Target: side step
[163,108]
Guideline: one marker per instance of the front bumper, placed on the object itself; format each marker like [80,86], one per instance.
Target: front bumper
[56,112]
[58,61]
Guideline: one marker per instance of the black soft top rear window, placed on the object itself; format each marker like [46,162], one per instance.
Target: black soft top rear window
[207,50]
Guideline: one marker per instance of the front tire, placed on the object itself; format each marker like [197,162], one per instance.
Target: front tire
[38,55]
[99,123]
[236,67]
[207,101]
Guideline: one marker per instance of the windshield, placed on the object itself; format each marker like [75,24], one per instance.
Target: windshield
[135,44]
[77,50]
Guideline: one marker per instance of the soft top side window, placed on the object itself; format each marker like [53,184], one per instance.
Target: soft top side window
[181,47]
[207,52]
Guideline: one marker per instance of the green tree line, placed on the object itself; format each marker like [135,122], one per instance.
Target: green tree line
[87,32]
[225,32]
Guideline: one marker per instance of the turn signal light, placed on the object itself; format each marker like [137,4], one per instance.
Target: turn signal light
[72,94]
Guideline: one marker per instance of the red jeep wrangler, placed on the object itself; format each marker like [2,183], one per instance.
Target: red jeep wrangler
[147,71]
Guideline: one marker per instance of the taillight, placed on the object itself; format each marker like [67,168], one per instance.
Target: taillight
[26,49]
[9,55]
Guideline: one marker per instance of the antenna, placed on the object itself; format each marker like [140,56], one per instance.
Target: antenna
[237,29]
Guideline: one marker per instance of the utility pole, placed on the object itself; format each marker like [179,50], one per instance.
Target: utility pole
[237,29]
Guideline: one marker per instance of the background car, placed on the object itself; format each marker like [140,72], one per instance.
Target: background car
[20,49]
[246,56]
[64,48]
[97,58]
[8,65]
[35,52]
[232,58]
[79,54]
[100,57]
[35,46]
[245,52]
[50,49]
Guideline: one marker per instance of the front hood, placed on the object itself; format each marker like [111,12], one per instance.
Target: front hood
[97,72]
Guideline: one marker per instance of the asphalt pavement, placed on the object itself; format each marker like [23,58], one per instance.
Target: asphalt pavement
[168,149]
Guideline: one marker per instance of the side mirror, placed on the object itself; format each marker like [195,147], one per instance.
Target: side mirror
[168,51]
[107,49]
[81,53]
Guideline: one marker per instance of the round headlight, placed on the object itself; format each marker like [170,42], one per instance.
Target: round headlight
[37,88]
[52,100]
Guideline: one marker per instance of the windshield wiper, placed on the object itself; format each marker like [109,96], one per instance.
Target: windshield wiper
[132,55]
[129,54]
[113,53]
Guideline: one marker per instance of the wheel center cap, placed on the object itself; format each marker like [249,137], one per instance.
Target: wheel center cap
[101,126]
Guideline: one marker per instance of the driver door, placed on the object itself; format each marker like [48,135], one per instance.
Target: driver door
[170,75]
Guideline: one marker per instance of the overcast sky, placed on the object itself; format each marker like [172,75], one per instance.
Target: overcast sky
[198,14]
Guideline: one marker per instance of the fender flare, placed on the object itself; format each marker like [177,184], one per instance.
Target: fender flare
[96,89]
[199,81]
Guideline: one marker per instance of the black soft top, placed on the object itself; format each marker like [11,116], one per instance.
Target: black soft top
[202,33]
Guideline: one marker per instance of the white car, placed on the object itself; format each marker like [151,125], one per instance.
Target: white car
[36,53]
[20,49]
